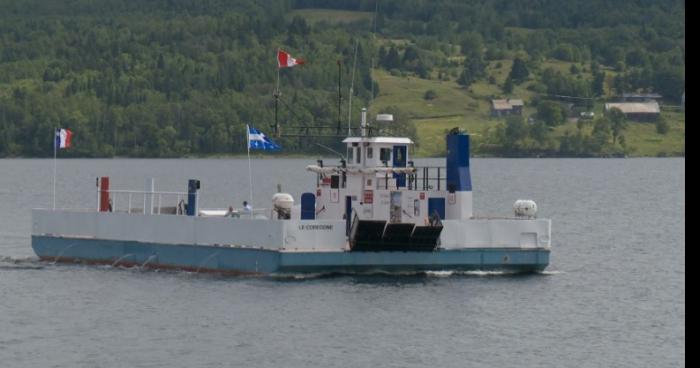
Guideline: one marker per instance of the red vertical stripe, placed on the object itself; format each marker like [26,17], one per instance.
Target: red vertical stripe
[282,59]
[285,60]
[69,134]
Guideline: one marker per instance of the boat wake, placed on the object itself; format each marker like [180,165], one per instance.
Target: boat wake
[34,263]
[20,263]
[551,272]
[402,274]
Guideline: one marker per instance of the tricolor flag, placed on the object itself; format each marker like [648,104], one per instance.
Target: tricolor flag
[63,138]
[258,140]
[284,60]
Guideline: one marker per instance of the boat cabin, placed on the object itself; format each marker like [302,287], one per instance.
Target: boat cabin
[378,181]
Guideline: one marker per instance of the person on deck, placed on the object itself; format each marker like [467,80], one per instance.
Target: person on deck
[247,208]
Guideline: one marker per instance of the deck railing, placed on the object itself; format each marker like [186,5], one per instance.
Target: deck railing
[423,178]
[170,203]
[152,202]
[412,177]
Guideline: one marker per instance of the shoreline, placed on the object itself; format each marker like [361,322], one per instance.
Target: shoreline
[315,157]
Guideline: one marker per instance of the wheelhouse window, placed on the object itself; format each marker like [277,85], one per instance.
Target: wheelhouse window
[399,155]
[351,154]
[385,154]
[335,182]
[369,152]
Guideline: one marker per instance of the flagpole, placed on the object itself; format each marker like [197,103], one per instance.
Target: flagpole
[250,167]
[54,169]
[277,94]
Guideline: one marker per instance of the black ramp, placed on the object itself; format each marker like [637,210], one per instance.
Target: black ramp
[425,238]
[397,236]
[366,235]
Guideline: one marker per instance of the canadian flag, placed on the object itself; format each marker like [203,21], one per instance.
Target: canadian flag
[284,60]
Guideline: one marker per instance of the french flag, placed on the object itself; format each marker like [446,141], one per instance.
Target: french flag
[63,138]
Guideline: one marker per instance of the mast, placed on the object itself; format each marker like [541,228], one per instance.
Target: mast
[339,97]
[371,65]
[276,94]
[352,83]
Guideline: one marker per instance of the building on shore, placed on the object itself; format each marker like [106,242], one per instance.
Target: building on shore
[638,111]
[639,97]
[503,107]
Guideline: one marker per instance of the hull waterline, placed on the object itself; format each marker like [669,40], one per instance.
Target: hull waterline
[241,261]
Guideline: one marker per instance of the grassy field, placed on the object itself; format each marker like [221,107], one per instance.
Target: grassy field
[407,93]
[453,107]
[643,140]
[469,109]
[333,16]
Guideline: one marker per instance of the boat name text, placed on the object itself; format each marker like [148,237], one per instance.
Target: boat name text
[315,227]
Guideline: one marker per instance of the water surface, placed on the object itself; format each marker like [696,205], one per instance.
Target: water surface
[613,295]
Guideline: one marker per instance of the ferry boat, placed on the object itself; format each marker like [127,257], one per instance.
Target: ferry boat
[373,212]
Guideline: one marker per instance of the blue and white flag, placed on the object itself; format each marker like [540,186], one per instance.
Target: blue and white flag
[258,140]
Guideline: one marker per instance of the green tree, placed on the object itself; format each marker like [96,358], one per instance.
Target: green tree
[551,113]
[599,136]
[393,60]
[473,70]
[516,131]
[430,95]
[519,71]
[662,126]
[539,131]
[618,122]
[411,54]
[670,82]
[508,85]
[472,45]
[598,83]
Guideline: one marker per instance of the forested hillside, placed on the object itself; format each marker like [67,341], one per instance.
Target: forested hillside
[169,78]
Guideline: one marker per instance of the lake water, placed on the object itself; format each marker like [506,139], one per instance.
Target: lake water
[613,295]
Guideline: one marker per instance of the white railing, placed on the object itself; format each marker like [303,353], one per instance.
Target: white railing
[148,199]
[234,212]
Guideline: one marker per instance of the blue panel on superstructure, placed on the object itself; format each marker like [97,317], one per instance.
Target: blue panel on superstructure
[192,186]
[436,205]
[308,206]
[458,175]
[400,161]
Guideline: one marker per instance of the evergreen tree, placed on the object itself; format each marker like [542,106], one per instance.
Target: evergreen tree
[508,86]
[393,60]
[473,70]
[598,83]
[519,72]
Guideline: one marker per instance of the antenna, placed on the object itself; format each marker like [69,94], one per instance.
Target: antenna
[340,97]
[352,83]
[371,66]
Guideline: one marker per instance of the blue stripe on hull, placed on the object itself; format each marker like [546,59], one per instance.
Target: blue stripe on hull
[455,259]
[247,260]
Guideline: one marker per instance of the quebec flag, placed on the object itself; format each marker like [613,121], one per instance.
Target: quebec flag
[258,140]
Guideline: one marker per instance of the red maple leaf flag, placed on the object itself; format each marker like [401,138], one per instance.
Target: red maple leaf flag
[284,60]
